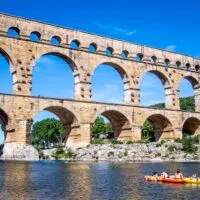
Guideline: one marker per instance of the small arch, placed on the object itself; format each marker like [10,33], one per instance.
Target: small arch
[153,59]
[166,62]
[162,127]
[191,126]
[187,66]
[14,32]
[35,36]
[92,47]
[197,68]
[109,51]
[55,40]
[178,64]
[75,44]
[3,122]
[124,54]
[139,57]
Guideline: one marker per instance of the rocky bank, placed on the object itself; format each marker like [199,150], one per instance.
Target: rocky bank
[168,151]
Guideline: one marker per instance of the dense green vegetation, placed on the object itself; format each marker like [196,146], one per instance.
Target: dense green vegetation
[47,132]
[102,128]
[186,104]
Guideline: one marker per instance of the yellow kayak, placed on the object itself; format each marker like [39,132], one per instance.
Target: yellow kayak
[192,180]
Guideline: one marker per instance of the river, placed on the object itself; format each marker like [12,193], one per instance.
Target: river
[52,180]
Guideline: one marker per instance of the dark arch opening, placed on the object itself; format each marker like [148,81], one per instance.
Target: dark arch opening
[166,62]
[154,87]
[187,88]
[139,57]
[178,64]
[55,40]
[57,125]
[92,47]
[13,32]
[35,36]
[53,76]
[124,54]
[159,127]
[108,83]
[191,127]
[109,51]
[187,66]
[197,68]
[75,44]
[153,59]
[114,125]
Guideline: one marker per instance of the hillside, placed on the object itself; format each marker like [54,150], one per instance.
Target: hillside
[186,104]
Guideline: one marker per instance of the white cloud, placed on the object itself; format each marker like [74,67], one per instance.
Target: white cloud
[125,31]
[114,28]
[171,48]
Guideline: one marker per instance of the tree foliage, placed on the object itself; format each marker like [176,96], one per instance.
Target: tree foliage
[147,132]
[47,132]
[101,127]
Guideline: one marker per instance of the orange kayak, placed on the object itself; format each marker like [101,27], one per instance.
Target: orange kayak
[173,180]
[152,178]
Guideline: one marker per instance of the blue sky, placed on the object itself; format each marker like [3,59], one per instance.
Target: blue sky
[171,25]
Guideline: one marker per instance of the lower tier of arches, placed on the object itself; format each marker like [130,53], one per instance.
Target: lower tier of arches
[18,112]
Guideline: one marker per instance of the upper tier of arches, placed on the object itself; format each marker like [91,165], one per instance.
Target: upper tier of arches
[45,33]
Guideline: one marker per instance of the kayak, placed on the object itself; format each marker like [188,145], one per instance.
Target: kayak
[152,178]
[173,180]
[192,180]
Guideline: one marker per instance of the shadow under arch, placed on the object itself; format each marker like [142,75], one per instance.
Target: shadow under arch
[69,120]
[196,89]
[7,57]
[162,127]
[119,122]
[191,126]
[167,86]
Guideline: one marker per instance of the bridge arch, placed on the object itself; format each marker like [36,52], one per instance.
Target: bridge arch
[195,85]
[162,127]
[120,123]
[67,117]
[166,83]
[123,91]
[191,126]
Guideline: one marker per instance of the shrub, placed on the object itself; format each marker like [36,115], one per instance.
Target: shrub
[172,148]
[158,154]
[129,142]
[114,141]
[188,145]
[110,153]
[69,154]
[98,141]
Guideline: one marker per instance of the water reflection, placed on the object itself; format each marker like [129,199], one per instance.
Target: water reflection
[107,181]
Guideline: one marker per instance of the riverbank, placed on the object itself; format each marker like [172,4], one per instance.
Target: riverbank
[166,151]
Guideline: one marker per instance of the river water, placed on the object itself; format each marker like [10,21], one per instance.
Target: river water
[52,180]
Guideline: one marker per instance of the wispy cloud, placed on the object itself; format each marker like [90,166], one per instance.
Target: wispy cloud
[171,48]
[125,31]
[115,28]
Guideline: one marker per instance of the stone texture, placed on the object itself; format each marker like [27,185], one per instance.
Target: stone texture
[18,110]
[12,151]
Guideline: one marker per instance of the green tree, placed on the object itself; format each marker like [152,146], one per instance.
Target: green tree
[101,128]
[46,132]
[147,132]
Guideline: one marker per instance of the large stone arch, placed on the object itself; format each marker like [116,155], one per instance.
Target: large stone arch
[68,118]
[120,123]
[167,84]
[196,87]
[124,76]
[162,127]
[191,126]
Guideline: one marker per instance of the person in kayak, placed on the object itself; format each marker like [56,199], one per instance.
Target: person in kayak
[155,175]
[164,174]
[178,174]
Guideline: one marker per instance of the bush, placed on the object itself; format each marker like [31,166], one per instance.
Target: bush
[60,153]
[98,141]
[110,153]
[172,148]
[114,141]
[189,145]
[129,142]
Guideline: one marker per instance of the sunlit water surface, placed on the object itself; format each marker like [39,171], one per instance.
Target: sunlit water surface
[53,180]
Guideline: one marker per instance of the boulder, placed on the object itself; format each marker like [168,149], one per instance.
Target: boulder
[12,151]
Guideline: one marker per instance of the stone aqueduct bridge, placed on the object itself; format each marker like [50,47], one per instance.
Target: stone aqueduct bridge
[18,110]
